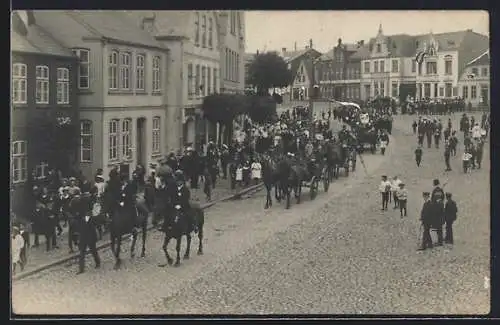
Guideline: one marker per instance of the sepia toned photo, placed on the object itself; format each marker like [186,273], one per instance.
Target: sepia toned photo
[249,162]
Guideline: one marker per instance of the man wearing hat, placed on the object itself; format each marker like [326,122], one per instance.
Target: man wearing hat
[179,196]
[450,215]
[87,229]
[437,199]
[426,217]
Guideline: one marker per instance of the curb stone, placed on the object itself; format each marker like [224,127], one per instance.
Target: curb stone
[74,256]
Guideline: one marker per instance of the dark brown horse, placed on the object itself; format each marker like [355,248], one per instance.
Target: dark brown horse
[270,177]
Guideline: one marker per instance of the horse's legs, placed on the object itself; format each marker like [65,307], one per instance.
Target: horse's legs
[117,253]
[188,246]
[113,243]
[134,241]
[268,196]
[166,240]
[200,238]
[144,237]
[178,240]
[288,191]
[277,192]
[298,191]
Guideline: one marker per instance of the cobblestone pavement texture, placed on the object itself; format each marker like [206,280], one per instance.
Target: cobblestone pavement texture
[337,254]
[38,256]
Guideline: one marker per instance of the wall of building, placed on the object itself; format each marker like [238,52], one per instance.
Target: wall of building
[480,82]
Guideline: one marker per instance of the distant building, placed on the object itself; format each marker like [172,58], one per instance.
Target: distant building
[392,69]
[474,82]
[300,63]
[122,87]
[44,111]
[339,71]
[232,54]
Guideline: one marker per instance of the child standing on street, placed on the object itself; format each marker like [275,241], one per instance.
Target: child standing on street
[418,155]
[466,161]
[402,195]
[384,189]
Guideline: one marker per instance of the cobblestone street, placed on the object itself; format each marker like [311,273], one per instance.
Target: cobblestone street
[338,254]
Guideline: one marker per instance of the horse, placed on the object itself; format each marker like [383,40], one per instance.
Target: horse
[287,178]
[178,224]
[125,218]
[270,177]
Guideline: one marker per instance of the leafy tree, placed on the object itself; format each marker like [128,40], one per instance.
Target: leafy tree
[223,108]
[262,108]
[268,70]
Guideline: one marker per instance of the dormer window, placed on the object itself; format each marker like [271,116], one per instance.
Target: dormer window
[379,48]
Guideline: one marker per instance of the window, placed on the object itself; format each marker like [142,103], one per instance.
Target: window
[156,74]
[41,170]
[190,81]
[210,32]
[367,67]
[394,89]
[382,89]
[84,69]
[237,76]
[484,93]
[441,92]
[431,67]
[86,141]
[139,72]
[473,92]
[413,66]
[197,80]
[209,80]
[379,48]
[124,70]
[375,89]
[19,161]
[395,66]
[226,64]
[375,66]
[113,139]
[197,29]
[427,90]
[42,84]
[484,72]
[455,91]
[203,81]
[62,86]
[19,77]
[448,90]
[233,23]
[204,30]
[474,71]
[126,133]
[230,65]
[216,86]
[465,92]
[447,66]
[419,69]
[113,70]
[156,134]
[382,66]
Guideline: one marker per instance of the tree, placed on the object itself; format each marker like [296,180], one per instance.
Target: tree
[262,108]
[268,70]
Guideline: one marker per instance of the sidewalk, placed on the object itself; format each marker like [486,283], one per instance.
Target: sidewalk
[38,256]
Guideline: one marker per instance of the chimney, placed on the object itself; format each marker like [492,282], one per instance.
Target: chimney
[310,43]
[257,53]
[339,42]
[295,46]
[283,50]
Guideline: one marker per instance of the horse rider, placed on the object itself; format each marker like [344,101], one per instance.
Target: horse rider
[180,197]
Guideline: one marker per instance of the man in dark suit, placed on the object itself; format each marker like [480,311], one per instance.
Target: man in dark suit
[450,215]
[437,199]
[426,216]
[88,234]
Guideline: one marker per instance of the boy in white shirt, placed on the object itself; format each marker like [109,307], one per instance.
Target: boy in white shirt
[402,195]
[466,161]
[384,189]
[394,188]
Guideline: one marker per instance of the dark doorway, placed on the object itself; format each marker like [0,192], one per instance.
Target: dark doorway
[141,141]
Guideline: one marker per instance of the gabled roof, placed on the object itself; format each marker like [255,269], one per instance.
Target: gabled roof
[350,47]
[291,56]
[37,41]
[167,22]
[362,53]
[113,25]
[401,45]
[483,59]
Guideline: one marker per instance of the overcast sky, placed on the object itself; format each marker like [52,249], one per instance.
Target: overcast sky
[273,30]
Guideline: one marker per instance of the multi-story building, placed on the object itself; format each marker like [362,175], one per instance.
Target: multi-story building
[474,82]
[44,113]
[300,63]
[339,71]
[248,59]
[232,54]
[392,70]
[122,88]
[192,39]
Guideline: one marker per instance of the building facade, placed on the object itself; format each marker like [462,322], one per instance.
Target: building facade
[339,71]
[122,87]
[392,68]
[232,54]
[474,82]
[44,111]
[301,65]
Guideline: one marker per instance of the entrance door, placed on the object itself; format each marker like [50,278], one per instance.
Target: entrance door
[485,94]
[141,141]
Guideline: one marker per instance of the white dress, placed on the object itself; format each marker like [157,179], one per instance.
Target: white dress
[17,245]
[256,170]
[239,174]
